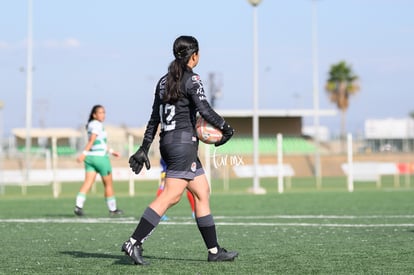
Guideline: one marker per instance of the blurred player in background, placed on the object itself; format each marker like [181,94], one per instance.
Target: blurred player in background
[95,157]
[190,196]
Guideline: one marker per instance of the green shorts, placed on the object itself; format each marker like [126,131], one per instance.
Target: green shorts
[99,164]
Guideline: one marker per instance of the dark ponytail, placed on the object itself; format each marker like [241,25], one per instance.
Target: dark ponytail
[184,47]
[93,111]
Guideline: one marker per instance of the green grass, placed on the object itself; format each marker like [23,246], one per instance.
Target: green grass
[303,231]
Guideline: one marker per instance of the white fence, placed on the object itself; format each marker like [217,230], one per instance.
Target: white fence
[58,176]
[47,176]
[264,170]
[371,171]
[355,171]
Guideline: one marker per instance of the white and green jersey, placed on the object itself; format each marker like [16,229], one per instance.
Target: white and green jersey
[99,147]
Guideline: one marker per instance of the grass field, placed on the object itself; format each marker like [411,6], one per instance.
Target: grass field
[303,231]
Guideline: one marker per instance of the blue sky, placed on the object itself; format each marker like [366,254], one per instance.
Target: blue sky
[112,53]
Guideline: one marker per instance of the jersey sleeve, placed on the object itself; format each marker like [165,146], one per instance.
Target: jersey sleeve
[195,89]
[154,121]
[95,127]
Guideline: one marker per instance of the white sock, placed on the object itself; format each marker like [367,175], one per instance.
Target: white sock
[111,202]
[213,250]
[80,200]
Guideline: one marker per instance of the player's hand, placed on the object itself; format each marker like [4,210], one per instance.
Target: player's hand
[227,132]
[80,158]
[137,160]
[116,154]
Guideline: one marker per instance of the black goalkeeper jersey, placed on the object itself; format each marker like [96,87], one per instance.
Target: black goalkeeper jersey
[177,120]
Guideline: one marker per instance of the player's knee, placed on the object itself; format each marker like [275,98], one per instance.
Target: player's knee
[175,200]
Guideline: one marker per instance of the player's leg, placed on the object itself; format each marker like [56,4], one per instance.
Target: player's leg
[105,170]
[110,198]
[159,191]
[190,198]
[81,196]
[151,217]
[171,195]
[164,217]
[179,168]
[205,222]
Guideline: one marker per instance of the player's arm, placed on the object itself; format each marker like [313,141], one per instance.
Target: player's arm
[114,153]
[88,146]
[152,125]
[137,160]
[196,91]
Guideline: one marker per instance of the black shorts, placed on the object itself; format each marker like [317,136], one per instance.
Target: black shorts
[182,160]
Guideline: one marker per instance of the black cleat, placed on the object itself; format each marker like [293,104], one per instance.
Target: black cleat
[78,211]
[116,212]
[134,252]
[222,255]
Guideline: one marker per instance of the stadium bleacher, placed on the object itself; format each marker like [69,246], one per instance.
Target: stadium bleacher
[61,150]
[268,145]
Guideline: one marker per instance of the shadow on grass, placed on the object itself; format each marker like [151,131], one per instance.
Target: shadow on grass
[121,259]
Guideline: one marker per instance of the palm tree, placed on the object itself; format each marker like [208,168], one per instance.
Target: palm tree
[341,84]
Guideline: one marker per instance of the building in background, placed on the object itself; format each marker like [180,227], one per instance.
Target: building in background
[389,135]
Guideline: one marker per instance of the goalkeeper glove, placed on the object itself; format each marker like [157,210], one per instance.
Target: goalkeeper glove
[227,132]
[137,160]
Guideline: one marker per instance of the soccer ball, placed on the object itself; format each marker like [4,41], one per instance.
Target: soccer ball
[206,132]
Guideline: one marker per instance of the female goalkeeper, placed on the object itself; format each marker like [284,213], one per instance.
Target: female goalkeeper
[178,96]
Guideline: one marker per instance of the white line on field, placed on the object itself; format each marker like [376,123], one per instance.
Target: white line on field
[192,222]
[316,217]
